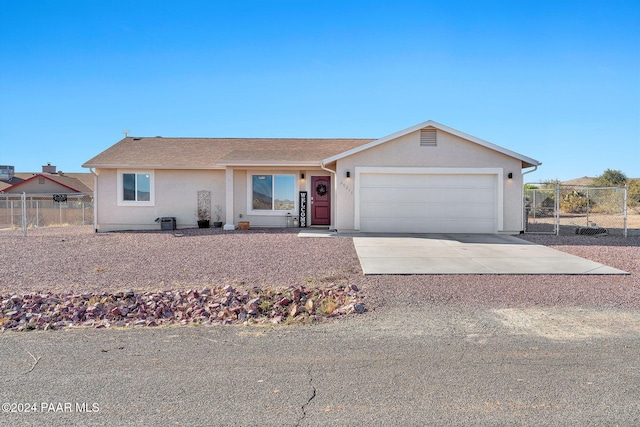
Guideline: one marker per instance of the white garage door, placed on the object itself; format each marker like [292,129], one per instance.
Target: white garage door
[428,203]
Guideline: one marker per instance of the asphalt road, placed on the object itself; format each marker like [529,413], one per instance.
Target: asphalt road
[429,366]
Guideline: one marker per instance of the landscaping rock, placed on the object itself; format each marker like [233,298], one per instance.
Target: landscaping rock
[46,311]
[310,306]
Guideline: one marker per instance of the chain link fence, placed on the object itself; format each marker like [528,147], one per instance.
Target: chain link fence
[568,209]
[540,209]
[22,211]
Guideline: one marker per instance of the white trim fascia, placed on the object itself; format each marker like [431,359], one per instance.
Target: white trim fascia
[438,126]
[155,167]
[498,172]
[267,164]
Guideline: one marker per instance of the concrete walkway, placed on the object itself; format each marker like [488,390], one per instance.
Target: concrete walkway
[466,254]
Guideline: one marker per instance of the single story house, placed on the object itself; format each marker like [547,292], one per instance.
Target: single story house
[428,178]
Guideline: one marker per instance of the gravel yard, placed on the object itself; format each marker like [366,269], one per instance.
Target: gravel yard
[76,260]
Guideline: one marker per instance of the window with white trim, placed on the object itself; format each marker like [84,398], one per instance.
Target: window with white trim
[273,192]
[136,188]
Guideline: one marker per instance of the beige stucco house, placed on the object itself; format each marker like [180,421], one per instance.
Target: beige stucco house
[428,178]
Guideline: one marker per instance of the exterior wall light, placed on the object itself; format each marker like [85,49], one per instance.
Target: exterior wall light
[510,176]
[301,176]
[348,174]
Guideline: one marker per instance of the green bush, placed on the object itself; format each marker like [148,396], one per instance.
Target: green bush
[574,201]
[633,193]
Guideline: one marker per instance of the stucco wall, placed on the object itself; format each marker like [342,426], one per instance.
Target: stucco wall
[176,195]
[451,152]
[270,219]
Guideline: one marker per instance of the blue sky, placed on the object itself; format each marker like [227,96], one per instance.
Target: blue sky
[558,81]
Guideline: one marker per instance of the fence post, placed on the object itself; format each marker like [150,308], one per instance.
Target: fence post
[534,205]
[624,204]
[23,200]
[556,210]
[588,200]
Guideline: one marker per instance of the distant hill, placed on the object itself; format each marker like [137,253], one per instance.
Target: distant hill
[261,201]
[586,181]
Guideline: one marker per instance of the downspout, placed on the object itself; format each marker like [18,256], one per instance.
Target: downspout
[95,200]
[535,168]
[334,195]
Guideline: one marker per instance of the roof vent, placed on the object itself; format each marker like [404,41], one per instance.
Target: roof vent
[428,137]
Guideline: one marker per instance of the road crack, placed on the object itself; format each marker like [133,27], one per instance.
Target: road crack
[313,395]
[35,361]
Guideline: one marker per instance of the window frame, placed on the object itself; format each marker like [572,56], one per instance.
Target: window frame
[272,211]
[120,189]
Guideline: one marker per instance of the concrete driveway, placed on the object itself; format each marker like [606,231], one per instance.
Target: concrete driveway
[466,254]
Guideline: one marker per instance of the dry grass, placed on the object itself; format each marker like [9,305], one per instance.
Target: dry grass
[615,223]
[327,306]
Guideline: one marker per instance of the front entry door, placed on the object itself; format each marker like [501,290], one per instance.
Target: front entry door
[320,200]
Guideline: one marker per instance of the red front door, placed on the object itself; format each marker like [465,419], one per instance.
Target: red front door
[320,200]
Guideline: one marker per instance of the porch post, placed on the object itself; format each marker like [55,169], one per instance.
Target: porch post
[229,224]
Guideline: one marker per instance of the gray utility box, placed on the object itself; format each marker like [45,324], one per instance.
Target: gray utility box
[168,223]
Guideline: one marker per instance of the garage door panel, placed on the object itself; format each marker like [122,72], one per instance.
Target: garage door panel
[425,195]
[433,226]
[478,197]
[421,210]
[424,203]
[429,181]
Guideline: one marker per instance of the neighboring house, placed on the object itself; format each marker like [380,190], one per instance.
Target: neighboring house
[49,181]
[428,178]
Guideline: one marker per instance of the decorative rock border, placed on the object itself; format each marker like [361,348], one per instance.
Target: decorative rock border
[217,306]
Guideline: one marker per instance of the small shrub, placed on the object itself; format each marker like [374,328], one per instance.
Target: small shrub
[574,202]
[265,306]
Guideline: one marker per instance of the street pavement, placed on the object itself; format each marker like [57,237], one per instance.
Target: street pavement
[427,366]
